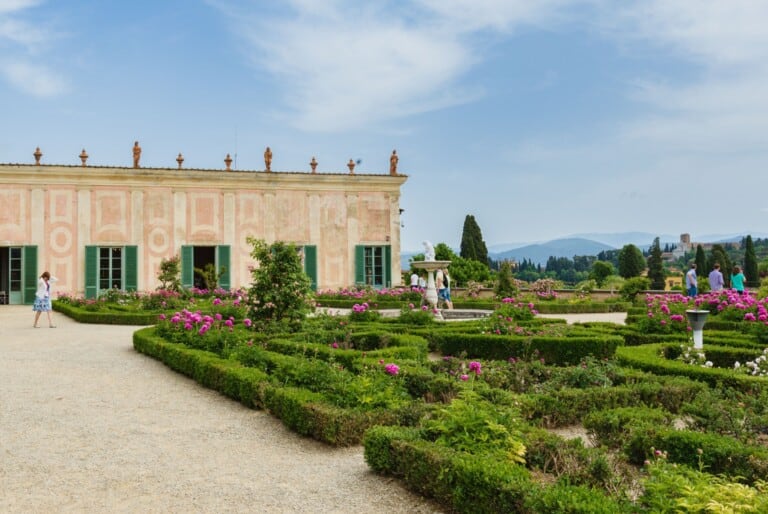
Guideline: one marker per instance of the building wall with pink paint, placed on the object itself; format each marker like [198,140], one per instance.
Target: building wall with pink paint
[100,227]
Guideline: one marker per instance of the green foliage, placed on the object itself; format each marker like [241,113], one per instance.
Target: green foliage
[631,261]
[281,291]
[719,255]
[416,316]
[701,265]
[169,274]
[505,283]
[472,425]
[472,245]
[601,270]
[750,263]
[671,488]
[210,275]
[463,271]
[634,286]
[656,266]
[443,252]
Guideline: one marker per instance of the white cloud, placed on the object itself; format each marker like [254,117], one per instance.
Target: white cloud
[22,66]
[34,80]
[343,64]
[7,6]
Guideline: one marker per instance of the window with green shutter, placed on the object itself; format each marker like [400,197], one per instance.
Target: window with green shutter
[310,264]
[223,265]
[373,266]
[30,273]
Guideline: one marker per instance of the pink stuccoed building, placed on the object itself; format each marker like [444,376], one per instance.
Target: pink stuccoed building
[97,227]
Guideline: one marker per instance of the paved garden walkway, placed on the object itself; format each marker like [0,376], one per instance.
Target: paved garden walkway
[89,425]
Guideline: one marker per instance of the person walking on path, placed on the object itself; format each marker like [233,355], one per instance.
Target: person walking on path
[43,298]
[691,283]
[738,279]
[444,287]
[716,279]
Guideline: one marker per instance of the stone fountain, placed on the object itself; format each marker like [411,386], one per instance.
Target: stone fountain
[431,265]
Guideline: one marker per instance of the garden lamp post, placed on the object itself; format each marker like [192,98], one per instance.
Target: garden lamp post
[697,318]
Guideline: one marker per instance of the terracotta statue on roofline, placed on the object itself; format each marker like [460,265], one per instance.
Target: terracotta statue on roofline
[268,159]
[393,163]
[136,154]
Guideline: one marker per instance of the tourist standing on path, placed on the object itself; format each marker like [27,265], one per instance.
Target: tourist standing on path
[691,283]
[444,287]
[43,298]
[414,280]
[738,279]
[716,278]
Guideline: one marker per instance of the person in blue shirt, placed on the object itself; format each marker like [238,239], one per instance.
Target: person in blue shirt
[691,283]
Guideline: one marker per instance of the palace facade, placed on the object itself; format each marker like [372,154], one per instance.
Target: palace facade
[96,228]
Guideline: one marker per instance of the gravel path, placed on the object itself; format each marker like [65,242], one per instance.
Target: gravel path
[89,425]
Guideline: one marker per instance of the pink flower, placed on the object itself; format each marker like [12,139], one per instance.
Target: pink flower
[161,317]
[216,301]
[475,366]
[464,377]
[392,369]
[334,345]
[218,316]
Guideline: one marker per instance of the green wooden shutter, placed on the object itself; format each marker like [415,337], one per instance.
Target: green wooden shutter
[387,266]
[360,265]
[187,267]
[131,267]
[222,261]
[91,271]
[29,272]
[310,264]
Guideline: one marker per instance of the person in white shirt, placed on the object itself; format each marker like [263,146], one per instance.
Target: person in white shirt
[414,280]
[43,298]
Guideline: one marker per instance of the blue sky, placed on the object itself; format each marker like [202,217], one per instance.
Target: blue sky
[542,119]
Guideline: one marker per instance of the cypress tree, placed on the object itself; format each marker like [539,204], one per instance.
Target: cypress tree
[719,255]
[472,244]
[701,261]
[750,264]
[656,266]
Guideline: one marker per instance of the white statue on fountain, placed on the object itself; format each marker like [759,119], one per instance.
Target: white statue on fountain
[429,251]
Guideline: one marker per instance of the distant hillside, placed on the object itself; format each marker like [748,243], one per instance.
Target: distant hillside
[539,253]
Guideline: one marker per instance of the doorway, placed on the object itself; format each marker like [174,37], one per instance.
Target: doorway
[11,291]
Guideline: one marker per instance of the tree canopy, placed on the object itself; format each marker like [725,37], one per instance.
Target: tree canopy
[472,245]
[631,261]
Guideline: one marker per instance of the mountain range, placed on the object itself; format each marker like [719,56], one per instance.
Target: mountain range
[586,244]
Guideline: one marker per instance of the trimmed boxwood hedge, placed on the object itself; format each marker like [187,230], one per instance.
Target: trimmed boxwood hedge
[554,350]
[301,410]
[651,358]
[106,317]
[474,484]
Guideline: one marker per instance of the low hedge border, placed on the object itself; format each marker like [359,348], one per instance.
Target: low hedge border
[105,317]
[467,483]
[720,455]
[570,406]
[554,350]
[299,409]
[651,358]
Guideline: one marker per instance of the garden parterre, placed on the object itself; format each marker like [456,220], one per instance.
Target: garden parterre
[470,430]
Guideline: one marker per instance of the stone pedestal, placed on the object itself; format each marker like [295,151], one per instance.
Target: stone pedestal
[431,267]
